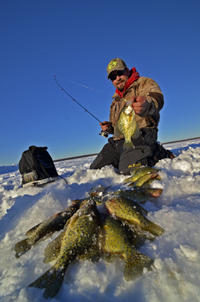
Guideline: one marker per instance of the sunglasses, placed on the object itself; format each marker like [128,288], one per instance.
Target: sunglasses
[119,73]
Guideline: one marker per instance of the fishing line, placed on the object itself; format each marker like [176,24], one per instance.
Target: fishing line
[103,132]
[75,100]
[83,85]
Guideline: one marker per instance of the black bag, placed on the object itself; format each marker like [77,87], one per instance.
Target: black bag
[36,166]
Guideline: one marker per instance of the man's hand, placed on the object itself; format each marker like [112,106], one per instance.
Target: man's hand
[105,125]
[140,104]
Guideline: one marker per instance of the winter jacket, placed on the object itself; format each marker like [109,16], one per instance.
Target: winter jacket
[141,87]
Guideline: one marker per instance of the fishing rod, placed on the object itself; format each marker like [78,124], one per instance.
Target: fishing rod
[103,132]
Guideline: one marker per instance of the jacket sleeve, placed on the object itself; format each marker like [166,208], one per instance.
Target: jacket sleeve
[155,99]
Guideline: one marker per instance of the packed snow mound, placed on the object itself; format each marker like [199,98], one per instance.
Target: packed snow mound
[176,272]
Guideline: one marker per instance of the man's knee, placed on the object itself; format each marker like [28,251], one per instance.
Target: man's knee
[98,163]
[129,157]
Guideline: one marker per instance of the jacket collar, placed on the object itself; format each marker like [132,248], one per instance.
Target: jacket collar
[134,76]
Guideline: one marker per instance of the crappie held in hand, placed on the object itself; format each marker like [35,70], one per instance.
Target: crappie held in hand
[127,125]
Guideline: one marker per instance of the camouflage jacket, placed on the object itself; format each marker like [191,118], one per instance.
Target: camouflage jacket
[141,87]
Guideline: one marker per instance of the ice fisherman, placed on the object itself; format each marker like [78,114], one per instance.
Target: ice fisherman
[147,100]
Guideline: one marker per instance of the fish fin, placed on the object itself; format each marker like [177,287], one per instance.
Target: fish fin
[52,250]
[134,265]
[139,208]
[154,229]
[22,247]
[136,133]
[92,254]
[128,145]
[32,230]
[48,235]
[110,258]
[51,281]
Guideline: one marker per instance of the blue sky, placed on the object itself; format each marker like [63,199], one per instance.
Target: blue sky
[75,40]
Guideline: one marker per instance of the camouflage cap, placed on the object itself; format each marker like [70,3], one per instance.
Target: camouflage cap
[115,64]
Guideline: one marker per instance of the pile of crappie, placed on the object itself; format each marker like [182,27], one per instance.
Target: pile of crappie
[106,224]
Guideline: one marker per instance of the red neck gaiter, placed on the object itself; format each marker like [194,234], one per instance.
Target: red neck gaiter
[134,76]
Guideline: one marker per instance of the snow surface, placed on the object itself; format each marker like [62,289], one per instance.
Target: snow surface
[176,276]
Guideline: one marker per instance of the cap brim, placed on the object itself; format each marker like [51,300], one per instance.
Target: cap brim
[108,77]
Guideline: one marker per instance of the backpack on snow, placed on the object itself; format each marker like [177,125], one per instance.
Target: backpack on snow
[36,167]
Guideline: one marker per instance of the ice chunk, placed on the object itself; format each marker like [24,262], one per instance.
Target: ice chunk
[189,251]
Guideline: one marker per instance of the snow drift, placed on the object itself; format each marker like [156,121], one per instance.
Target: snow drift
[176,276]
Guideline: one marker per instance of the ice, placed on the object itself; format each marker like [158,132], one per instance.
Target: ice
[175,274]
[188,251]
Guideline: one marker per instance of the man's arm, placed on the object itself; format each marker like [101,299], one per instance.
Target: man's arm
[149,100]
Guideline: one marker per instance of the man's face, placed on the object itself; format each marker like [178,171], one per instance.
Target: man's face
[119,78]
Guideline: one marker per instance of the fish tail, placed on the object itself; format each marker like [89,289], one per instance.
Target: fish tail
[143,210]
[154,229]
[51,281]
[134,266]
[128,145]
[22,247]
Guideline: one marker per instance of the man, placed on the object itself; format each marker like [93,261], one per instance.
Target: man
[147,102]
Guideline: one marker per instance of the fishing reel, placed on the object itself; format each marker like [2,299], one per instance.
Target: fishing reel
[104,133]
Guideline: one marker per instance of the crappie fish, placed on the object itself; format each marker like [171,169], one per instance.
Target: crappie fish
[80,233]
[127,125]
[139,173]
[53,224]
[117,240]
[123,209]
[143,179]
[140,195]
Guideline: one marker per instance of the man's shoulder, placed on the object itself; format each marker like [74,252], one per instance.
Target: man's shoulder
[147,84]
[144,80]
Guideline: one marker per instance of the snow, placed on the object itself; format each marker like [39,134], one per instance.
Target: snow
[176,272]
